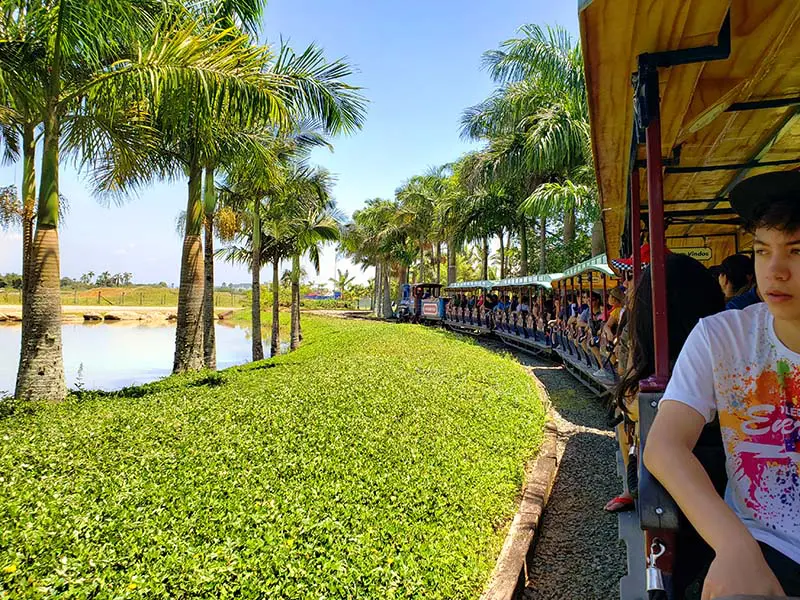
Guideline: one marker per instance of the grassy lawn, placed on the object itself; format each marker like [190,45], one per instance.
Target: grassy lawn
[378,461]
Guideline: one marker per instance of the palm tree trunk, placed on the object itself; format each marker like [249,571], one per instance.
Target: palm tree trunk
[210,206]
[189,331]
[598,241]
[378,305]
[569,232]
[297,300]
[28,210]
[523,248]
[275,340]
[543,245]
[294,342]
[485,258]
[452,267]
[421,261]
[387,298]
[41,365]
[374,294]
[255,271]
[502,255]
[438,262]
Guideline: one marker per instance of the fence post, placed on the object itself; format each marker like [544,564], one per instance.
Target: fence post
[98,297]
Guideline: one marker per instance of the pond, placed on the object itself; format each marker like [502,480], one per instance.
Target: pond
[111,356]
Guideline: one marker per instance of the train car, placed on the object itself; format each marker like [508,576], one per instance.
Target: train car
[427,302]
[464,309]
[526,329]
[584,291]
[686,100]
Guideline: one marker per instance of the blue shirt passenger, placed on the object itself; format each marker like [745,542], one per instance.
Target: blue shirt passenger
[742,301]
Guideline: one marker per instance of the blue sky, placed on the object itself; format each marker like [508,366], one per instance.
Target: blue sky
[419,62]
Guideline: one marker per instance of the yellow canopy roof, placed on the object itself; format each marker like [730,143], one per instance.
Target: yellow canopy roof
[727,114]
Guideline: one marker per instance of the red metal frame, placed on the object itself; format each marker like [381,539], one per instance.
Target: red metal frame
[655,203]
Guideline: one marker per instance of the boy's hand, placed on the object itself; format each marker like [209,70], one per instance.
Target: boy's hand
[737,572]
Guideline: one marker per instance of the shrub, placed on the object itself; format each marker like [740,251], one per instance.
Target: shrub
[378,461]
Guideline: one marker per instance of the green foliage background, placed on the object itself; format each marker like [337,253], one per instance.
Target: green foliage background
[391,474]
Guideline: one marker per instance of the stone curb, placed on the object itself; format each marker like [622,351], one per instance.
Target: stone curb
[511,570]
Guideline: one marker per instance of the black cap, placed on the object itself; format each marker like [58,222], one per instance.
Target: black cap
[752,195]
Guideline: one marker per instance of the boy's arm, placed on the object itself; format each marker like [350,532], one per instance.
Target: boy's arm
[739,566]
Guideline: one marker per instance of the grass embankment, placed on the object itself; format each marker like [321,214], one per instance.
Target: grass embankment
[149,295]
[126,296]
[378,461]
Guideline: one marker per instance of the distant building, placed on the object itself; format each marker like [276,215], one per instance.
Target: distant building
[316,296]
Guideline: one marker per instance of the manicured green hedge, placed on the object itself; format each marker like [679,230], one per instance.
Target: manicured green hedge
[378,461]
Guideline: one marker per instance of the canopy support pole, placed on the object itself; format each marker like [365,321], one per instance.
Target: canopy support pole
[636,226]
[649,115]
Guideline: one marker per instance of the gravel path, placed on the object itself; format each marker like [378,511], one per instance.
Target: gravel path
[578,554]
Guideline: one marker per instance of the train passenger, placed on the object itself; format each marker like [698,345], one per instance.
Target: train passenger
[736,275]
[590,310]
[744,367]
[488,306]
[750,297]
[470,306]
[692,293]
[514,311]
[497,312]
[523,309]
[622,341]
[730,273]
[591,342]
[616,300]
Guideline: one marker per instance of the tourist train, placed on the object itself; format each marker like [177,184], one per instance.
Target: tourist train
[686,100]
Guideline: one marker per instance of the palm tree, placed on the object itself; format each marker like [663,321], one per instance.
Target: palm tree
[96,63]
[538,128]
[379,237]
[314,220]
[204,132]
[248,192]
[342,281]
[417,201]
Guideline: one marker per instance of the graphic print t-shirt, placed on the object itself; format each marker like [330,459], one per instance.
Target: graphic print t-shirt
[735,366]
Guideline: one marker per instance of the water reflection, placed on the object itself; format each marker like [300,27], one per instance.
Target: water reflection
[115,355]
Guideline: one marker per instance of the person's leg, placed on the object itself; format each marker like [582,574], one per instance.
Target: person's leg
[624,501]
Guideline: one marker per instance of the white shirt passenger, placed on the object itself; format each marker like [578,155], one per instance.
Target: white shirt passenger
[733,365]
[522,307]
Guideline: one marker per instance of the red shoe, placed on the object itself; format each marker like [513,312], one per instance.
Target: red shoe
[619,504]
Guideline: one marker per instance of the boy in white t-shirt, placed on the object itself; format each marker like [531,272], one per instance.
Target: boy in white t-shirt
[744,366]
